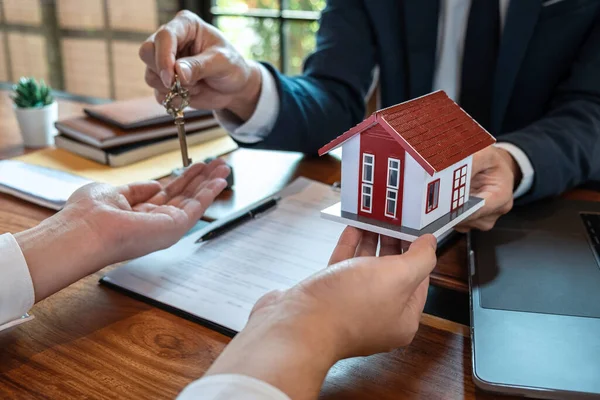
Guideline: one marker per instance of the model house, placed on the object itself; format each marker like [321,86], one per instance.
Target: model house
[408,167]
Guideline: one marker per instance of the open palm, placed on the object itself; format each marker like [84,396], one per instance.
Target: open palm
[139,218]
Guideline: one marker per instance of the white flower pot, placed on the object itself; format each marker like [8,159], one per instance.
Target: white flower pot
[37,124]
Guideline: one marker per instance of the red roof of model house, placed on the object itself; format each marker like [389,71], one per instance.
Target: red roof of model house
[433,129]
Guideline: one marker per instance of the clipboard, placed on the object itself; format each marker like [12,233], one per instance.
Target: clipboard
[200,226]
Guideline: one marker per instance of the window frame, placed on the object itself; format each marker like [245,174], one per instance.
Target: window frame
[372,164]
[369,195]
[388,198]
[436,196]
[459,184]
[389,169]
[209,11]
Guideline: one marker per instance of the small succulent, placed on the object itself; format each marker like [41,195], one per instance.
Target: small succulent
[28,93]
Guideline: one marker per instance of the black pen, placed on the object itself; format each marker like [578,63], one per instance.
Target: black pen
[229,225]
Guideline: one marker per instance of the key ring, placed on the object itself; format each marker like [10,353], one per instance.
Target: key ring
[177,91]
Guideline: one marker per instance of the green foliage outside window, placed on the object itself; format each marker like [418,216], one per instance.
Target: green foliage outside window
[259,39]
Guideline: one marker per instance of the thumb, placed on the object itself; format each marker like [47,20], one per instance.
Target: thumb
[205,65]
[482,160]
[420,259]
[139,191]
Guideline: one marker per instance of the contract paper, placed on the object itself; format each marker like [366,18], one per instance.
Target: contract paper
[220,280]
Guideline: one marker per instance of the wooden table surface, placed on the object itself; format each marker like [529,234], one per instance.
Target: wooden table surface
[89,341]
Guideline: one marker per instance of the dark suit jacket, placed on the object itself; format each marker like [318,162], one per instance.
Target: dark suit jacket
[547,86]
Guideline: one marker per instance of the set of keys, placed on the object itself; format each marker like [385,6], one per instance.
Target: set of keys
[176,101]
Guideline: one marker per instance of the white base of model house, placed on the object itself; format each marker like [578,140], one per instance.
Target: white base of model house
[437,228]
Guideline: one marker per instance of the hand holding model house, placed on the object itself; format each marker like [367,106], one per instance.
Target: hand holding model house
[406,170]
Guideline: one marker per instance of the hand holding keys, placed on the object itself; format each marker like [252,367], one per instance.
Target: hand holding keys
[176,101]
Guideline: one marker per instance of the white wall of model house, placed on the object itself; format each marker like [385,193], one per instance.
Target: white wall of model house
[416,182]
[413,195]
[350,172]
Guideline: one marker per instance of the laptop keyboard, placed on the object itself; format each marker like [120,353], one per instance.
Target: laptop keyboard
[592,227]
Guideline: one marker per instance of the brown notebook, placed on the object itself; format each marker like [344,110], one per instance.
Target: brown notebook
[137,113]
[98,134]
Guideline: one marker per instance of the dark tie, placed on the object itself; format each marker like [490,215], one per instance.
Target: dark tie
[479,60]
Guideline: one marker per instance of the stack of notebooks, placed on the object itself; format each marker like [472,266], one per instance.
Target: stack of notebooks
[124,132]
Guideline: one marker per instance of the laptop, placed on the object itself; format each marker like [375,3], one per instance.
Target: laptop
[535,302]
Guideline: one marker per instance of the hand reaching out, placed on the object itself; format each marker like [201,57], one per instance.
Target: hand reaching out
[143,217]
[360,305]
[356,283]
[102,224]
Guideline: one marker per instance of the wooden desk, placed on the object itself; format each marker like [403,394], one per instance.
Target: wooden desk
[92,342]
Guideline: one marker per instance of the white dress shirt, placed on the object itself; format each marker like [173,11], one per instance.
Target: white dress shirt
[452,27]
[16,288]
[231,387]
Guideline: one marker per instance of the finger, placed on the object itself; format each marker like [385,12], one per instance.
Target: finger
[144,207]
[176,34]
[483,224]
[420,259]
[220,172]
[482,160]
[389,246]
[492,204]
[209,64]
[196,207]
[346,245]
[152,79]
[167,194]
[368,245]
[146,54]
[195,185]
[199,183]
[462,228]
[160,95]
[175,187]
[139,192]
[165,45]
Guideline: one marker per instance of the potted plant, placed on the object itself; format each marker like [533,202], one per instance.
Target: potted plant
[36,111]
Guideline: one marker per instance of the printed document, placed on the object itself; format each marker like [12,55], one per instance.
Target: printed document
[220,280]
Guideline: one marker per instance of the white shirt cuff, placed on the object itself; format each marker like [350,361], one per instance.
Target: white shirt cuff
[16,287]
[231,387]
[524,164]
[261,123]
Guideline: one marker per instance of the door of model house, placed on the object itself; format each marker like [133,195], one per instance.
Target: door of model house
[459,185]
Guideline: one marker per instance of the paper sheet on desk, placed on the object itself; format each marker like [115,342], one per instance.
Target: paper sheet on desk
[220,280]
[38,185]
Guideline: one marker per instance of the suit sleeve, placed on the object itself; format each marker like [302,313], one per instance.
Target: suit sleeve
[564,146]
[328,98]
